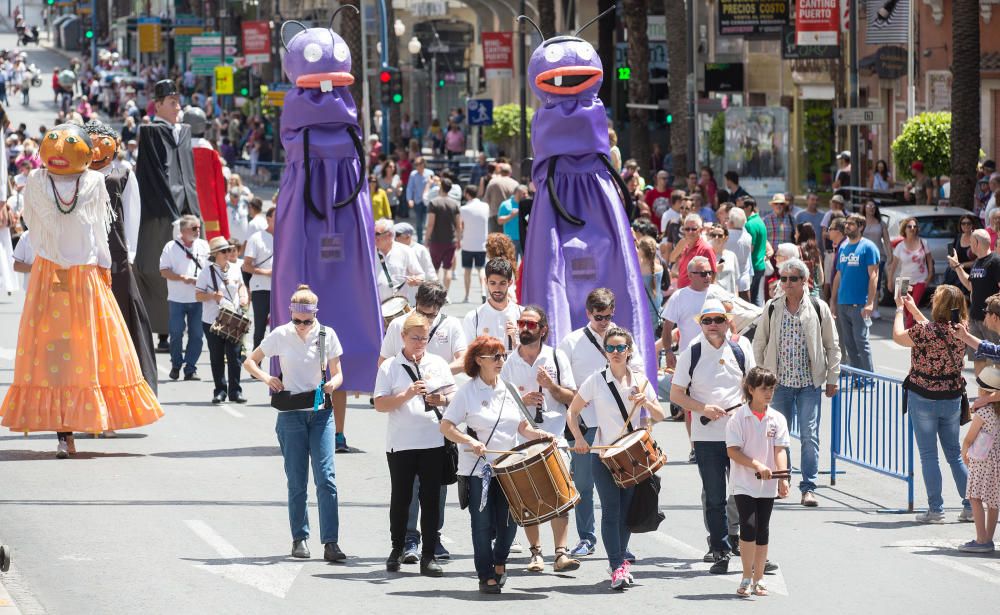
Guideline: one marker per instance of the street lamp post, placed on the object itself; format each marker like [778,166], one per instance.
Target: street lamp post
[414,48]
[523,68]
[384,60]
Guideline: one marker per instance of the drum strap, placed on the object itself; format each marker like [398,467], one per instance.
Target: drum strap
[414,377]
[215,282]
[191,257]
[593,340]
[618,400]
[385,270]
[430,335]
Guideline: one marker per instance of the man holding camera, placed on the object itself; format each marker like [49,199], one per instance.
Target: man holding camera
[982,281]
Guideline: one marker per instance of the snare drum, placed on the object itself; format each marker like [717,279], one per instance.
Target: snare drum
[230,325]
[537,482]
[393,308]
[633,458]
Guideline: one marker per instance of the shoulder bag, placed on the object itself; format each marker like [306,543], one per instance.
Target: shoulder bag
[286,400]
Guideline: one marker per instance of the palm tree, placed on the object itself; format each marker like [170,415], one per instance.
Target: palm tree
[638,84]
[350,30]
[606,50]
[677,51]
[547,17]
[965,85]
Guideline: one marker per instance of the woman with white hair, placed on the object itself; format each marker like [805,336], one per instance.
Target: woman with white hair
[739,243]
[784,252]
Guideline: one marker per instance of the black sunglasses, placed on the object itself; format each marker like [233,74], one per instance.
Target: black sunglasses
[703,274]
[427,315]
[790,278]
[381,233]
[500,356]
[307,322]
[713,320]
[602,318]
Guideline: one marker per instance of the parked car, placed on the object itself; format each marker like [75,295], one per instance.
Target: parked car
[857,196]
[937,226]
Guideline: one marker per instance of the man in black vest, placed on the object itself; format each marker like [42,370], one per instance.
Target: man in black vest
[165,170]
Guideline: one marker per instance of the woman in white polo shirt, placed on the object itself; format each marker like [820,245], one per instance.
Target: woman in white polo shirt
[221,285]
[308,356]
[633,388]
[757,441]
[405,390]
[487,407]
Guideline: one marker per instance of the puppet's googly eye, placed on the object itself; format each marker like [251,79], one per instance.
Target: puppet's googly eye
[340,52]
[553,53]
[312,52]
[584,51]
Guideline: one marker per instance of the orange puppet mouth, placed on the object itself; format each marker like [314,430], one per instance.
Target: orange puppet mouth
[568,79]
[324,81]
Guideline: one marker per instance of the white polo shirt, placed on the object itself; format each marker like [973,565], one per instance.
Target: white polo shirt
[587,358]
[260,248]
[447,338]
[401,263]
[298,358]
[478,405]
[684,305]
[228,283]
[610,422]
[412,426]
[524,377]
[24,254]
[423,256]
[487,320]
[717,381]
[175,259]
[757,439]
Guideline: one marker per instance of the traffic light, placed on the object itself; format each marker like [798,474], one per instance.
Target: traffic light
[241,82]
[440,83]
[89,34]
[396,88]
[670,118]
[253,85]
[385,89]
[51,2]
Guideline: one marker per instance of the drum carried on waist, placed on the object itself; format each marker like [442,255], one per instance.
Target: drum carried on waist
[231,325]
[633,458]
[537,482]
[393,308]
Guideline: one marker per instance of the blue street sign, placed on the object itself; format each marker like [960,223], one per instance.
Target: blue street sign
[480,112]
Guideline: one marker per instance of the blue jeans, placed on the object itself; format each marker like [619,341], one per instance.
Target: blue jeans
[492,529]
[582,468]
[804,404]
[303,434]
[935,419]
[412,533]
[854,334]
[419,219]
[615,503]
[713,467]
[178,312]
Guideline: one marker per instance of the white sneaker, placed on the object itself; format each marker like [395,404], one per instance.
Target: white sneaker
[62,450]
[930,517]
[966,516]
[515,547]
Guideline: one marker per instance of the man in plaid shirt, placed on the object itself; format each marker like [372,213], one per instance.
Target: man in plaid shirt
[779,223]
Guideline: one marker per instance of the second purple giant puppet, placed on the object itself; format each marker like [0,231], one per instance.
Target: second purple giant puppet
[324,231]
[579,237]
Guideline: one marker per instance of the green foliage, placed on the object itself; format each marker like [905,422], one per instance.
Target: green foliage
[926,137]
[507,123]
[818,135]
[717,135]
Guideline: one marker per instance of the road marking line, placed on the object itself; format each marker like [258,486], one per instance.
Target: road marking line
[232,411]
[775,582]
[266,575]
[924,548]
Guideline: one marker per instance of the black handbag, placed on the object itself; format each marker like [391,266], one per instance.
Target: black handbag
[644,514]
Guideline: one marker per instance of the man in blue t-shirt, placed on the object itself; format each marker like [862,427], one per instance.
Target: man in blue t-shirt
[854,292]
[507,215]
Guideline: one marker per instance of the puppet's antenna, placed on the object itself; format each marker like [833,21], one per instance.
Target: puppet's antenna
[586,25]
[342,7]
[528,19]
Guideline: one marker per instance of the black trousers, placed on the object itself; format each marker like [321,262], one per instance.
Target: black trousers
[404,466]
[755,518]
[261,301]
[221,352]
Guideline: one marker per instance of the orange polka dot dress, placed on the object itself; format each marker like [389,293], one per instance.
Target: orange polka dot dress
[75,367]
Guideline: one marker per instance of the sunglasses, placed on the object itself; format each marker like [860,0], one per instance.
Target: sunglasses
[194,228]
[303,323]
[713,320]
[609,348]
[530,325]
[602,318]
[225,250]
[790,278]
[963,223]
[691,229]
[427,315]
[716,235]
[498,357]
[913,226]
[703,274]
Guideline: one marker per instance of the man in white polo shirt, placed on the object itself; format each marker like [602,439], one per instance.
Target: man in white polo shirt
[498,316]
[398,266]
[711,388]
[258,259]
[180,263]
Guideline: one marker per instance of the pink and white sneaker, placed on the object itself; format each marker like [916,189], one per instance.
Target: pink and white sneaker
[622,577]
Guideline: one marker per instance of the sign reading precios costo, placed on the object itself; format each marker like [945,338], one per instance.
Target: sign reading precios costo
[752,18]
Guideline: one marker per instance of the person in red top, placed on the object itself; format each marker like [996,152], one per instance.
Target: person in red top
[658,198]
[691,245]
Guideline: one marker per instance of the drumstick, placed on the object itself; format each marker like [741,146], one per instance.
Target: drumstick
[777,474]
[705,420]
[492,452]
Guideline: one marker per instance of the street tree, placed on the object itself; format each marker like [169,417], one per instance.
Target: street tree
[638,88]
[965,90]
[350,30]
[677,51]
[547,17]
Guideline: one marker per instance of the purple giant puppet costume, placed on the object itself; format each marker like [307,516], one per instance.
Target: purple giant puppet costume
[324,231]
[579,237]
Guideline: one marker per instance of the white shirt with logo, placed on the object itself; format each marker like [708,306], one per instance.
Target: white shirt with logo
[478,406]
[524,378]
[174,258]
[412,426]
[717,380]
[610,422]
[487,320]
[447,338]
[757,438]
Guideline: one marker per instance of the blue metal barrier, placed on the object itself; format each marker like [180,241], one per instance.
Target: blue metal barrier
[869,427]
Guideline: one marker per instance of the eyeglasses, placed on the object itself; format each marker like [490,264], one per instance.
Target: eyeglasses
[427,315]
[713,320]
[603,317]
[303,323]
[913,226]
[703,274]
[790,278]
[691,229]
[610,348]
[963,223]
[498,357]
[852,223]
[420,339]
[530,325]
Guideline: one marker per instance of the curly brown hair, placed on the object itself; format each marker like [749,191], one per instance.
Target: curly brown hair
[499,245]
[484,345]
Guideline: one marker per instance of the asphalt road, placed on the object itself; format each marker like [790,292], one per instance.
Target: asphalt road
[188,516]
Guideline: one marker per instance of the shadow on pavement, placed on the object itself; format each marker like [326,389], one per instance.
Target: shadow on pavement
[266,560]
[51,455]
[47,435]
[249,451]
[473,595]
[878,525]
[707,597]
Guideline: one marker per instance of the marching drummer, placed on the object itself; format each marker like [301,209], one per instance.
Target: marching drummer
[487,407]
[544,380]
[398,265]
[220,286]
[447,341]
[614,391]
[410,388]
